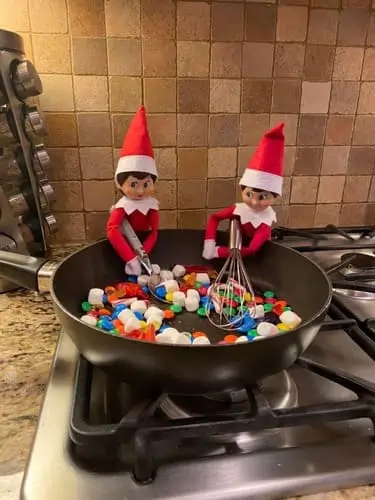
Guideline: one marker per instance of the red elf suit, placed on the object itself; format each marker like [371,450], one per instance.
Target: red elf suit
[136,156]
[264,172]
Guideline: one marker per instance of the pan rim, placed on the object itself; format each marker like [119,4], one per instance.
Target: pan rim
[185,347]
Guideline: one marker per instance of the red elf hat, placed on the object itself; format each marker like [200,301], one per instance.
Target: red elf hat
[265,168]
[136,154]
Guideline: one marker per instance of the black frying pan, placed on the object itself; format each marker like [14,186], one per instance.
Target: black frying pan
[182,369]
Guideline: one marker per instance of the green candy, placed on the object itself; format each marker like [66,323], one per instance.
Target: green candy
[268,294]
[99,324]
[230,311]
[86,306]
[267,307]
[287,308]
[176,308]
[113,332]
[242,309]
[202,312]
[252,333]
[197,285]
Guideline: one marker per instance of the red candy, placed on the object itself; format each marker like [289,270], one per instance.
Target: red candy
[202,291]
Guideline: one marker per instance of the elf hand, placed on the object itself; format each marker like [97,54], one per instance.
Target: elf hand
[210,250]
[133,267]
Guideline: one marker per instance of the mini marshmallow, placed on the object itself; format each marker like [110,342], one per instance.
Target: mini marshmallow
[155,321]
[155,269]
[89,320]
[178,271]
[187,334]
[139,306]
[125,302]
[154,311]
[132,324]
[266,329]
[201,341]
[241,340]
[171,286]
[95,297]
[143,280]
[172,333]
[191,304]
[125,315]
[182,340]
[192,292]
[154,280]
[179,298]
[203,278]
[163,338]
[166,275]
[259,311]
[291,319]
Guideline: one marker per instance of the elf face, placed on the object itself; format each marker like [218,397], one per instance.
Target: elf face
[256,199]
[138,189]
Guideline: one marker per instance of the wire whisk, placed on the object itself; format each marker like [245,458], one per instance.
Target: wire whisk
[231,296]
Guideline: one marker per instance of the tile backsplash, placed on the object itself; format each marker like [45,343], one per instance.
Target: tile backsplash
[213,76]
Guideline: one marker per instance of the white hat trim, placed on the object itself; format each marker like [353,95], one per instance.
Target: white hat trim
[136,163]
[258,179]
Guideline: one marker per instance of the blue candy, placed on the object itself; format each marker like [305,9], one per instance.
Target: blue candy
[161,292]
[117,310]
[105,299]
[145,289]
[106,323]
[132,279]
[139,315]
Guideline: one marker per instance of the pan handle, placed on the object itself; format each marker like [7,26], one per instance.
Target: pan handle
[26,271]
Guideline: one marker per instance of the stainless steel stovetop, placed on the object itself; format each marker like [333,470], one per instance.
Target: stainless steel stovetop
[269,464]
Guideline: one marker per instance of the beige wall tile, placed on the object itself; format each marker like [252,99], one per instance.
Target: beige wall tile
[226,60]
[291,23]
[64,164]
[311,130]
[257,59]
[366,102]
[94,129]
[371,30]
[225,96]
[260,22]
[62,130]
[96,163]
[193,21]
[331,188]
[227,22]
[159,57]
[192,219]
[68,196]
[71,227]
[289,58]
[335,160]
[304,189]
[291,123]
[166,162]
[286,96]
[120,124]
[315,97]
[353,26]
[158,18]
[244,155]
[160,95]
[96,225]
[47,17]
[371,194]
[98,195]
[14,17]
[256,96]
[163,129]
[323,26]
[252,127]
[191,194]
[352,214]
[301,216]
[168,219]
[52,53]
[364,130]
[339,130]
[86,17]
[308,160]
[192,130]
[89,56]
[368,71]
[361,161]
[222,162]
[166,194]
[318,62]
[57,93]
[369,214]
[348,63]
[289,159]
[124,56]
[356,188]
[193,59]
[223,130]
[192,163]
[125,94]
[91,93]
[282,214]
[123,19]
[221,192]
[344,97]
[193,95]
[327,214]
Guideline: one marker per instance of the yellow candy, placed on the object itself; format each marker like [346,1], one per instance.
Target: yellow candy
[169,297]
[247,297]
[143,324]
[282,327]
[186,278]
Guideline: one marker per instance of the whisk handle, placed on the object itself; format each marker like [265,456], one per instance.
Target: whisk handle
[235,237]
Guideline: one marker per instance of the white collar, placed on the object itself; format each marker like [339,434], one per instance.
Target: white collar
[247,214]
[142,206]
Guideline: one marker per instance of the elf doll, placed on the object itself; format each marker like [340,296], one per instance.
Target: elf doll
[260,184]
[135,177]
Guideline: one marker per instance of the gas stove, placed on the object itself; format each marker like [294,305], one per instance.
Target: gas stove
[306,430]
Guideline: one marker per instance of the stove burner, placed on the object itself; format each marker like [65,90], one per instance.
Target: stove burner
[360,269]
[280,391]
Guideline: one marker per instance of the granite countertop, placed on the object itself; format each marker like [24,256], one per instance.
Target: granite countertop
[28,334]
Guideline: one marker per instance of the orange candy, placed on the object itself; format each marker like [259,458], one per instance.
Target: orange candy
[104,312]
[278,307]
[258,300]
[199,334]
[149,334]
[230,339]
[109,290]
[168,314]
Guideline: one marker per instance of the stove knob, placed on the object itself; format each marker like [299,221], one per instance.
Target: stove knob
[34,123]
[48,192]
[41,155]
[26,81]
[7,243]
[51,223]
[19,204]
